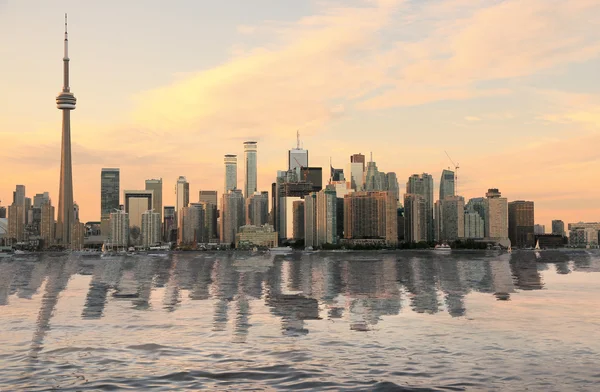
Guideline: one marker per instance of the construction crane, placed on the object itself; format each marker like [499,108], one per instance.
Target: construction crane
[456,167]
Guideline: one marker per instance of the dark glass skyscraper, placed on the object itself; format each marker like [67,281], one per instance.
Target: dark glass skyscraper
[109,196]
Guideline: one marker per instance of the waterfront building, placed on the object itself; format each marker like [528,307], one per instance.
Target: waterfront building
[371,215]
[298,232]
[474,225]
[521,223]
[548,241]
[447,186]
[250,235]
[451,219]
[583,234]
[423,185]
[16,222]
[320,217]
[558,227]
[109,196]
[169,224]
[478,205]
[285,195]
[119,229]
[415,218]
[193,223]
[496,222]
[539,229]
[65,102]
[250,169]
[136,203]
[257,209]
[232,215]
[151,233]
[156,186]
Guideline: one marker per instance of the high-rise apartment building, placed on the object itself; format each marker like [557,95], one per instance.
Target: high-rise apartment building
[474,225]
[232,215]
[19,195]
[521,227]
[423,185]
[558,227]
[250,169]
[193,223]
[447,186]
[537,229]
[496,222]
[40,199]
[257,209]
[358,158]
[370,215]
[136,204]
[156,186]
[16,222]
[392,185]
[415,218]
[211,228]
[230,172]
[119,229]
[151,228]
[451,218]
[109,197]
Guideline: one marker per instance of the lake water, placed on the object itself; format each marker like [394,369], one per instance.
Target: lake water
[323,321]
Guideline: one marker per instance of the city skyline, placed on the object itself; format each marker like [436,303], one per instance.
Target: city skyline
[335,126]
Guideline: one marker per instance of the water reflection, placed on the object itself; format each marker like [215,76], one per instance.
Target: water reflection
[359,287]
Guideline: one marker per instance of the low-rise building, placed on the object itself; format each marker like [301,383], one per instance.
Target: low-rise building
[250,236]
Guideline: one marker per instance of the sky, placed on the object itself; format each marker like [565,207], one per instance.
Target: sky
[510,89]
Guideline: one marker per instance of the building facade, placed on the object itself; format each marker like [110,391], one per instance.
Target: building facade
[151,228]
[423,185]
[250,169]
[257,209]
[232,215]
[119,229]
[136,204]
[109,196]
[415,218]
[156,186]
[320,217]
[298,233]
[371,215]
[558,227]
[169,224]
[521,224]
[230,172]
[496,222]
[250,236]
[447,185]
[452,218]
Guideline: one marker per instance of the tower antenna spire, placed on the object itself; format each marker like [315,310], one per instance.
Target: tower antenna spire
[298,139]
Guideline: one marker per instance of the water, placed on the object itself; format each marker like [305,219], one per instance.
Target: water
[326,321]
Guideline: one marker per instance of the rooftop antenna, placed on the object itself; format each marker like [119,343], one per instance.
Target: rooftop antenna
[298,139]
[371,156]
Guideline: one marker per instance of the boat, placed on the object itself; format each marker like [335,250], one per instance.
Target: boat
[310,249]
[537,245]
[281,250]
[509,250]
[443,248]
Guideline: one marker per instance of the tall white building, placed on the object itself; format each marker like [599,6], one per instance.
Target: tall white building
[250,169]
[356,175]
[297,157]
[230,172]
[151,228]
[156,187]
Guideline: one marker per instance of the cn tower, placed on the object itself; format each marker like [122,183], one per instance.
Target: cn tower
[65,102]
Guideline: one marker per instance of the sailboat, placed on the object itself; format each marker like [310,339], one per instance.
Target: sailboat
[537,250]
[537,245]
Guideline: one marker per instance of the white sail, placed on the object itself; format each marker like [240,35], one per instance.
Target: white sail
[537,245]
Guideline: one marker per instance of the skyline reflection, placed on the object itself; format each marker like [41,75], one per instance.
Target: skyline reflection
[361,288]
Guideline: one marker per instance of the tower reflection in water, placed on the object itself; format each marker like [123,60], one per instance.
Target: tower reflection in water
[361,288]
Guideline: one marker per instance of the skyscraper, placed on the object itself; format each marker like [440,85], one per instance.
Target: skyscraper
[297,157]
[521,223]
[358,158]
[452,218]
[169,224]
[19,195]
[151,232]
[423,185]
[232,215]
[250,169]
[156,187]
[109,197]
[496,222]
[415,218]
[230,172]
[447,184]
[182,191]
[65,102]
[47,224]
